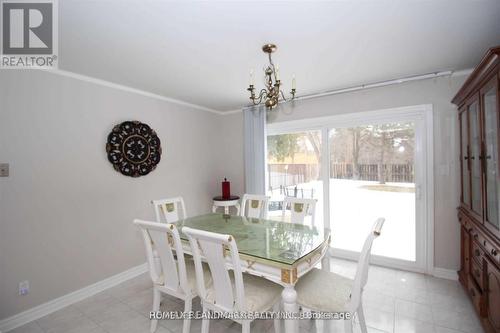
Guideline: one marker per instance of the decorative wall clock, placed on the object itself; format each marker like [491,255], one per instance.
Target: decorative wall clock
[133,148]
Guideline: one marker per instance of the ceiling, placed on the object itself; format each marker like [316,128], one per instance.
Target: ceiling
[201,52]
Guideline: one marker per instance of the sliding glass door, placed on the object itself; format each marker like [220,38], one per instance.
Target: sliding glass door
[294,170]
[372,175]
[361,167]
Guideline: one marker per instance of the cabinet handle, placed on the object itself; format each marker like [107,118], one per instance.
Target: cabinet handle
[466,158]
[488,157]
[494,252]
[484,243]
[472,158]
[477,253]
[475,236]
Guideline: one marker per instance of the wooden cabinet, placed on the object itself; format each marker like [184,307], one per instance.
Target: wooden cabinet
[493,296]
[479,121]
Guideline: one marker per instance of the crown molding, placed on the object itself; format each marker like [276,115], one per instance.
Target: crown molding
[230,112]
[117,86]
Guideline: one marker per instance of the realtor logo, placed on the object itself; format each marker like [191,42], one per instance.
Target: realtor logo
[29,33]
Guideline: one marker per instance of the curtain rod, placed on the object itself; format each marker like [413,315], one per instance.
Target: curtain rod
[375,85]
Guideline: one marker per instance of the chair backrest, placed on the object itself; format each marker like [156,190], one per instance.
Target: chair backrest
[167,210]
[299,209]
[164,238]
[214,248]
[364,260]
[254,205]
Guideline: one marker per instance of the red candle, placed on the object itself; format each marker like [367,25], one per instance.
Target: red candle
[226,191]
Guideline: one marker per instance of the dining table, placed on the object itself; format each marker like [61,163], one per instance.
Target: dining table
[281,252]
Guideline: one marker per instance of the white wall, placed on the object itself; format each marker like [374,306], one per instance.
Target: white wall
[437,92]
[65,213]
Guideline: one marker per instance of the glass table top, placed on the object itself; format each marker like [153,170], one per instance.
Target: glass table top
[279,242]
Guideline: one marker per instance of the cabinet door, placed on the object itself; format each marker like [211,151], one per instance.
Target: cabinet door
[475,154]
[464,157]
[493,296]
[489,106]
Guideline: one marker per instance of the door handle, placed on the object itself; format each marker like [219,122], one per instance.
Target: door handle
[418,192]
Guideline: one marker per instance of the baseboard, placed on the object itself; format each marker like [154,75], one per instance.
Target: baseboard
[42,310]
[444,273]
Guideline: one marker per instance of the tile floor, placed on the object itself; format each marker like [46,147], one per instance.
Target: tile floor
[394,301]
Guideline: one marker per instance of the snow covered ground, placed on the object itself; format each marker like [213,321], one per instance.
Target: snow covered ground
[355,205]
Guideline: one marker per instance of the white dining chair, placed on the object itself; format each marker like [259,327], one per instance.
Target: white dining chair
[169,210]
[254,206]
[177,276]
[324,291]
[299,209]
[231,291]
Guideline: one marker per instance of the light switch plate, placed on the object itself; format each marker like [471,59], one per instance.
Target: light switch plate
[4,170]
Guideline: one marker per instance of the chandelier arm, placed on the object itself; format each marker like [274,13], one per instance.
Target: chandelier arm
[256,101]
[262,95]
[283,95]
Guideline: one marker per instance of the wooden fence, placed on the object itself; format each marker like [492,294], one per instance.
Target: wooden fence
[285,175]
[397,173]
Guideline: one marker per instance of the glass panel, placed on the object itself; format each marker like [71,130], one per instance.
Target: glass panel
[279,242]
[372,175]
[491,142]
[475,147]
[465,165]
[294,170]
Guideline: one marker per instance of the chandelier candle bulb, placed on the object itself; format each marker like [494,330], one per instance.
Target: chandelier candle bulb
[294,84]
[251,77]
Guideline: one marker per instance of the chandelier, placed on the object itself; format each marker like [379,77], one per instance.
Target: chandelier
[272,93]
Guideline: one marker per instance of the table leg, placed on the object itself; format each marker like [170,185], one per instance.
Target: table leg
[214,208]
[325,262]
[226,210]
[289,296]
[237,209]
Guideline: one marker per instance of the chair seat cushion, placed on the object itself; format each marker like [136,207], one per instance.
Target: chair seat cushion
[260,294]
[191,276]
[324,291]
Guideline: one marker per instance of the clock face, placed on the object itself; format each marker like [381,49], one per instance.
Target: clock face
[133,148]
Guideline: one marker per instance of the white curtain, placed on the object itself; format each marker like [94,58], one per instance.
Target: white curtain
[255,149]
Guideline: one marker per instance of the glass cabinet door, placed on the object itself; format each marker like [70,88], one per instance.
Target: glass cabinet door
[489,105]
[475,154]
[464,155]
